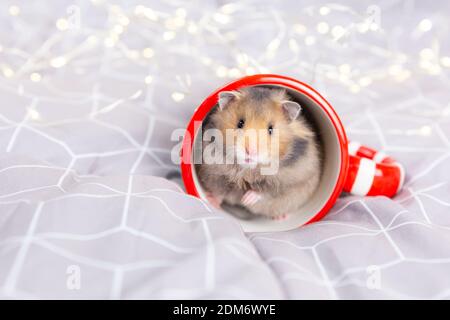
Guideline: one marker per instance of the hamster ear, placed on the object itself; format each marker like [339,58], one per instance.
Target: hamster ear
[292,109]
[225,97]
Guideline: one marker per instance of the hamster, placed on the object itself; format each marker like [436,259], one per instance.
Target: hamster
[239,181]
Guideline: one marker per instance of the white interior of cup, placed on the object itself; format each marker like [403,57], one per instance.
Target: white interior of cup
[331,170]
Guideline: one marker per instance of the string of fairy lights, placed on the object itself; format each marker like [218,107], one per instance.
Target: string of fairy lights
[169,24]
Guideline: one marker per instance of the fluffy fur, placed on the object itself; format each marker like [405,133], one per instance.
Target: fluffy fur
[299,155]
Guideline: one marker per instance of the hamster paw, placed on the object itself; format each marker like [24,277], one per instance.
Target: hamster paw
[250,198]
[280,217]
[213,200]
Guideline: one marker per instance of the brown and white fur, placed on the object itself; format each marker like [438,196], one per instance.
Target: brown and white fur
[299,155]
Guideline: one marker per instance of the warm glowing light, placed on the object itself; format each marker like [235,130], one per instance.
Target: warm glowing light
[434,69]
[345,68]
[425,64]
[133,54]
[355,88]
[425,25]
[338,31]
[323,28]
[146,12]
[234,73]
[92,39]
[181,12]
[365,81]
[445,61]
[273,45]
[318,28]
[177,96]
[148,53]
[403,75]
[374,26]
[427,53]
[332,75]
[179,22]
[250,71]
[35,77]
[363,27]
[33,114]
[293,45]
[222,18]
[242,59]
[118,29]
[114,8]
[310,40]
[206,61]
[62,24]
[110,42]
[299,28]
[8,72]
[192,28]
[139,10]
[395,70]
[324,10]
[425,130]
[169,35]
[170,24]
[148,79]
[58,62]
[14,10]
[221,71]
[124,20]
[228,8]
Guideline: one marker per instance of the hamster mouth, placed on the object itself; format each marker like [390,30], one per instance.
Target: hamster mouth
[249,163]
[243,159]
[246,160]
[250,160]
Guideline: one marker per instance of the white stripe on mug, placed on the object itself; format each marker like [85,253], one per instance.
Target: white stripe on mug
[364,177]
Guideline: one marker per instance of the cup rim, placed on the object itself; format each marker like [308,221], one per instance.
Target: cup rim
[266,79]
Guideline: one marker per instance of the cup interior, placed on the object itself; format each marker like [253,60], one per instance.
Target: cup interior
[331,162]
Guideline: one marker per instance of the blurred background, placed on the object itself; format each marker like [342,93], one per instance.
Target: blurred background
[164,58]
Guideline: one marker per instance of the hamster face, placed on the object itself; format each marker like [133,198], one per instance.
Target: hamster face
[261,124]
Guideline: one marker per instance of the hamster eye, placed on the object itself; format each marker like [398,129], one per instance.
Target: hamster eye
[270,129]
[240,124]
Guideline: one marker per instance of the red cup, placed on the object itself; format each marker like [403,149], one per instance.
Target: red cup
[358,169]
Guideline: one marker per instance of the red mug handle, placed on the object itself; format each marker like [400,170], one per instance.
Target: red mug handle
[372,173]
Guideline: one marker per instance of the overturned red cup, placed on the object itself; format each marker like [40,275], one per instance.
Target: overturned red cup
[346,167]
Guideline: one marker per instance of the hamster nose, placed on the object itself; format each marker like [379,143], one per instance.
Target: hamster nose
[250,151]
